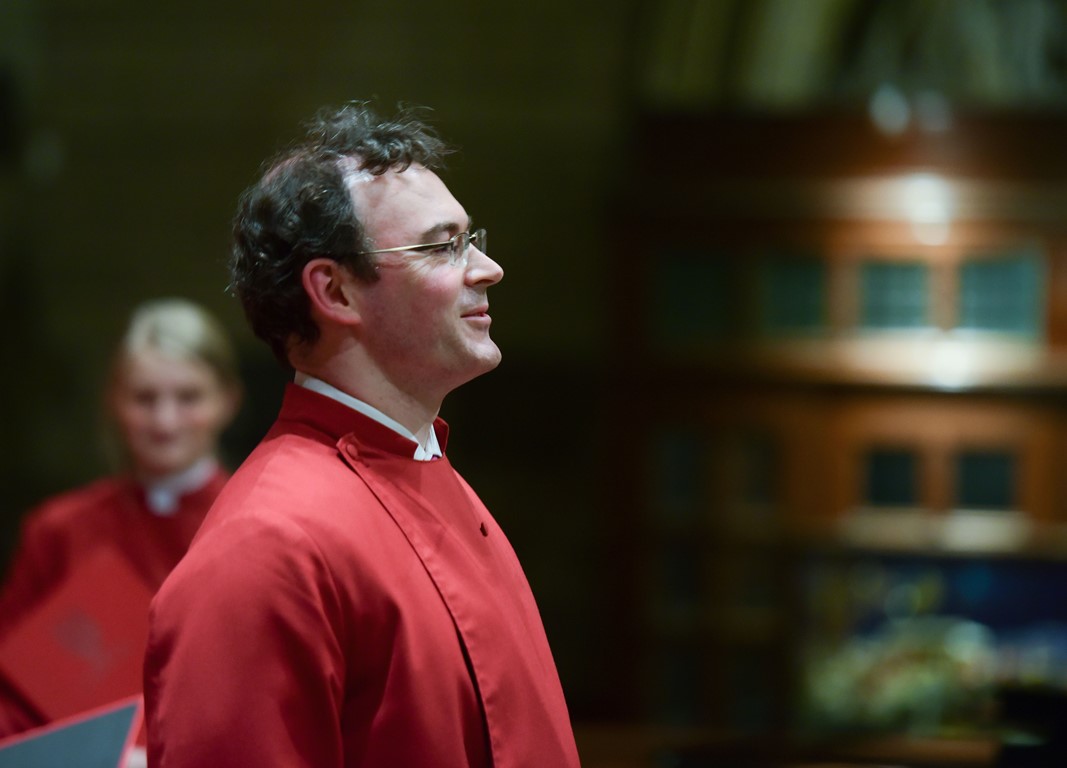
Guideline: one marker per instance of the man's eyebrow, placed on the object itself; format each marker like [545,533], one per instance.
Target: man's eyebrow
[445,229]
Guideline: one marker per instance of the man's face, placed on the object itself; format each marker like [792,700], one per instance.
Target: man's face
[425,321]
[169,410]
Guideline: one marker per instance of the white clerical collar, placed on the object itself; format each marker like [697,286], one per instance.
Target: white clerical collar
[162,495]
[428,452]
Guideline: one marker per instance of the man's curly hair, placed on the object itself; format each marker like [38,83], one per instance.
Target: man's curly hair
[301,209]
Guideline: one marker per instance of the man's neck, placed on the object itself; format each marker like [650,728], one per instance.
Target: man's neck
[401,414]
[344,365]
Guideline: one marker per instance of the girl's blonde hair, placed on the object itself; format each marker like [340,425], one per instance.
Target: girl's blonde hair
[180,328]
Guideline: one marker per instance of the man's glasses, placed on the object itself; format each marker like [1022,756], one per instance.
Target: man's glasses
[455,249]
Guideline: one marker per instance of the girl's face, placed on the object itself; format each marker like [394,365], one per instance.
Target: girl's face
[169,411]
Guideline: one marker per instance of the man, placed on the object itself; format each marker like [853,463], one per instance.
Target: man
[349,601]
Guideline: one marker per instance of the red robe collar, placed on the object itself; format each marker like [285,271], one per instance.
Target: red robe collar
[334,421]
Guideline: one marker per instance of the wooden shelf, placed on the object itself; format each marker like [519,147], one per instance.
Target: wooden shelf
[997,535]
[639,746]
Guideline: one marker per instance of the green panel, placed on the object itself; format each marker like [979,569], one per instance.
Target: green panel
[1003,294]
[794,295]
[891,477]
[677,474]
[985,479]
[894,295]
[694,298]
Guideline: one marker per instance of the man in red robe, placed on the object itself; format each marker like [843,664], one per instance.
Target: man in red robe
[349,601]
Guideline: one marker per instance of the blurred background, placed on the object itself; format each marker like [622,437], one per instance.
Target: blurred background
[780,430]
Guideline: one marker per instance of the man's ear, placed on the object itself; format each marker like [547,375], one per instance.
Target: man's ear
[330,289]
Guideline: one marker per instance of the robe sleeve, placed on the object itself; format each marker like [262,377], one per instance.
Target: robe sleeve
[243,665]
[37,566]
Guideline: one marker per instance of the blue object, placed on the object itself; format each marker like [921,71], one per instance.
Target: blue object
[96,741]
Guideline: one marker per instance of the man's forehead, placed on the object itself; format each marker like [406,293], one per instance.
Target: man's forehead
[411,197]
[356,176]
[352,172]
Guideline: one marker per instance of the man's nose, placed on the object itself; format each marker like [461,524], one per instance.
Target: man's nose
[482,269]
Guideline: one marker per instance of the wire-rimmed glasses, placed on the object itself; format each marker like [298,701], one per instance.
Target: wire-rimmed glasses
[456,248]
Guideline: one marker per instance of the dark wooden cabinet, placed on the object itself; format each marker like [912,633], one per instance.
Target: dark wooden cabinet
[831,347]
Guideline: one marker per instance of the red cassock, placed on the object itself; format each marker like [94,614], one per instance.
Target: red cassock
[67,530]
[347,605]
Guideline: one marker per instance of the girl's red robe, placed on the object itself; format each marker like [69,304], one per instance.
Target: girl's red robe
[66,530]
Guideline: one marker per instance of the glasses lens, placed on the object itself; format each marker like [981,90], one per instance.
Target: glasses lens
[461,246]
[460,243]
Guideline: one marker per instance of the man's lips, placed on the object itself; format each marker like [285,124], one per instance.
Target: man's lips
[482,311]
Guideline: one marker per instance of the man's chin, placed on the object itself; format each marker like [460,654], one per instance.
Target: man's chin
[493,360]
[484,363]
